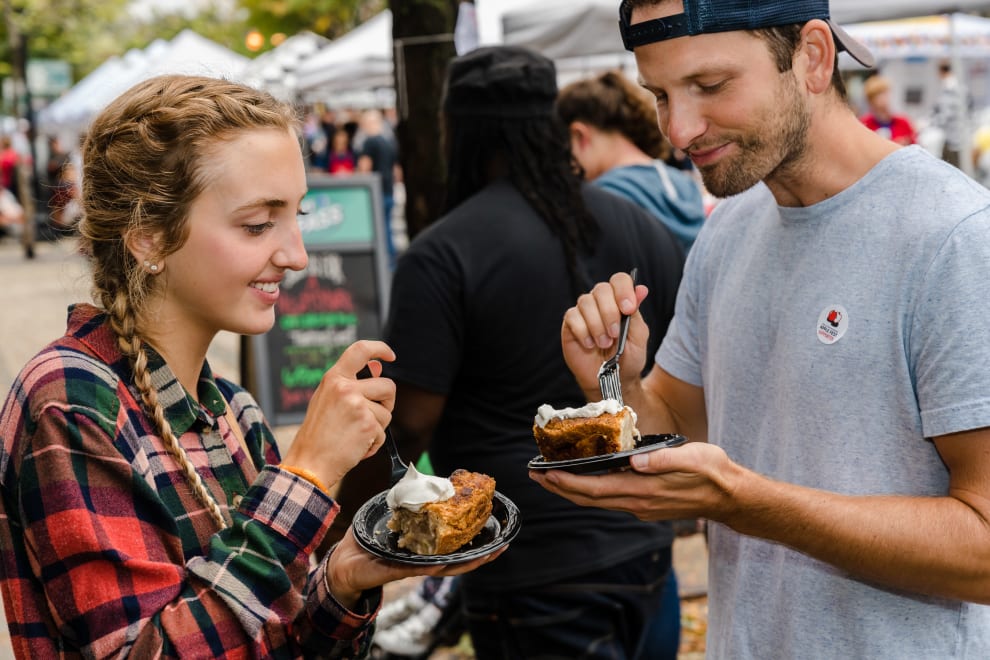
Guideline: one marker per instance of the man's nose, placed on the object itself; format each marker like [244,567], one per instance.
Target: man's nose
[682,123]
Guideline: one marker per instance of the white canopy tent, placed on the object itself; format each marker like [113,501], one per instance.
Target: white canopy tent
[188,52]
[565,28]
[858,11]
[191,53]
[940,37]
[580,36]
[275,70]
[358,62]
[562,29]
[72,111]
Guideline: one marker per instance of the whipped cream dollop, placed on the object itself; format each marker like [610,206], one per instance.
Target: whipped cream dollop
[415,489]
[546,412]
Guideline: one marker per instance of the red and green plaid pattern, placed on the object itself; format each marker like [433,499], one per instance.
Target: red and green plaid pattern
[105,551]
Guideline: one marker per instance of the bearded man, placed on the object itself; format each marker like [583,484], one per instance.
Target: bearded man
[829,342]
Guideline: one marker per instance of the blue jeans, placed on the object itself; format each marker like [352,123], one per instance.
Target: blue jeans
[388,203]
[603,614]
[663,635]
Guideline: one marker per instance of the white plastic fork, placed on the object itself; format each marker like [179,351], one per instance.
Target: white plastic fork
[608,374]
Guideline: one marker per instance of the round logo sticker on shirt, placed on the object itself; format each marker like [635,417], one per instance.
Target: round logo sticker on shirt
[832,324]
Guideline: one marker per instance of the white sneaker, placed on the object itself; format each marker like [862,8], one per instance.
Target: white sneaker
[399,610]
[413,636]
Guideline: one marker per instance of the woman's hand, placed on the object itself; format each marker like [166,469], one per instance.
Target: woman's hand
[351,570]
[346,418]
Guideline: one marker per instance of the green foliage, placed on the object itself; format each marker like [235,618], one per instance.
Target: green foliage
[78,31]
[331,18]
[85,33]
[219,25]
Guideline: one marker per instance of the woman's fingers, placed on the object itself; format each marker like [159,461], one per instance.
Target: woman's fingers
[360,354]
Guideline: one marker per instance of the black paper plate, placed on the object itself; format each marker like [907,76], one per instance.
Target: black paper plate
[609,461]
[373,534]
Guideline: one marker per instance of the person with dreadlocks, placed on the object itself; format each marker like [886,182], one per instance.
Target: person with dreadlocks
[474,320]
[145,510]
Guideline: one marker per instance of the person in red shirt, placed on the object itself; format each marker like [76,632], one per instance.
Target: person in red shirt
[9,160]
[880,118]
[341,158]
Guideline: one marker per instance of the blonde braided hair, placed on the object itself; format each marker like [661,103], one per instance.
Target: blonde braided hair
[142,170]
[131,345]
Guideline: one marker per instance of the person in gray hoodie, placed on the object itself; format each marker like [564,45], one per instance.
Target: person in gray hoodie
[617,141]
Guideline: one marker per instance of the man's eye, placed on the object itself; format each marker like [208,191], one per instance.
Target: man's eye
[710,89]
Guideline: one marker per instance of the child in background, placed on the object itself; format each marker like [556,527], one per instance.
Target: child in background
[341,158]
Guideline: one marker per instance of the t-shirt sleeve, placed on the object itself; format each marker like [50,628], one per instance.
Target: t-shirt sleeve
[376,147]
[425,324]
[680,352]
[950,335]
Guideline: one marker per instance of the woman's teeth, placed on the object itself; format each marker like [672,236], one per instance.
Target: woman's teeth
[267,287]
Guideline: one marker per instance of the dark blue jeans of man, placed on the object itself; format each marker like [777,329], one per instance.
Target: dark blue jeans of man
[600,615]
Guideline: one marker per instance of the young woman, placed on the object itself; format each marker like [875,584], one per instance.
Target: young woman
[144,507]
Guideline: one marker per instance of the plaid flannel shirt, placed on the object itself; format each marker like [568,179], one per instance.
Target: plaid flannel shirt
[104,551]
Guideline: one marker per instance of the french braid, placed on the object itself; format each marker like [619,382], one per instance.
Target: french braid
[131,345]
[142,170]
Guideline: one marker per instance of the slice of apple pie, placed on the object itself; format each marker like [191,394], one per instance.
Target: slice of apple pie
[443,525]
[599,428]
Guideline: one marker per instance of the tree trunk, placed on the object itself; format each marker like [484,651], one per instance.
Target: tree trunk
[422,32]
[18,53]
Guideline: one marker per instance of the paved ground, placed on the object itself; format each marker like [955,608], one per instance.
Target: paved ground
[40,290]
[33,313]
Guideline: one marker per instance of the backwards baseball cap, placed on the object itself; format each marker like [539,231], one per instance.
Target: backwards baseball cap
[706,16]
[501,81]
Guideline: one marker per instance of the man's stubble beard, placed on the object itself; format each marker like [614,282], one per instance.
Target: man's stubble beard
[779,141]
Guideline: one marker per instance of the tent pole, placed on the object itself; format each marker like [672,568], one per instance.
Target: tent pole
[964,136]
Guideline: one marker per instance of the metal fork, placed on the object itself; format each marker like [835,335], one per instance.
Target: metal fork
[608,373]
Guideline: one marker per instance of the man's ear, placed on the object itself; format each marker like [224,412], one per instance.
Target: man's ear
[816,56]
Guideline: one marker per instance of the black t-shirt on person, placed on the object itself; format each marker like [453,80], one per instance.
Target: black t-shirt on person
[383,155]
[476,308]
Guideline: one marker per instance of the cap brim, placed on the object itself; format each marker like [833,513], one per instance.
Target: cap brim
[856,50]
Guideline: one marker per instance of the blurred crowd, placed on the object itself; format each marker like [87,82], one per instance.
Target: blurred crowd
[955,128]
[53,190]
[342,142]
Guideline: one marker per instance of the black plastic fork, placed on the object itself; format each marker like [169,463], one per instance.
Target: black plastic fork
[399,467]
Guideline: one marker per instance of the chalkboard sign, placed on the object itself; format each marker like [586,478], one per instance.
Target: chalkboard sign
[340,297]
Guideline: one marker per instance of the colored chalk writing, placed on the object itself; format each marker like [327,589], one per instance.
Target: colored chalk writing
[338,298]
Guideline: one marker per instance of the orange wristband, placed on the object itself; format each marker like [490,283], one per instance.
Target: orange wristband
[307,475]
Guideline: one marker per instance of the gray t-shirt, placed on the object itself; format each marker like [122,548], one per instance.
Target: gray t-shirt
[831,342]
